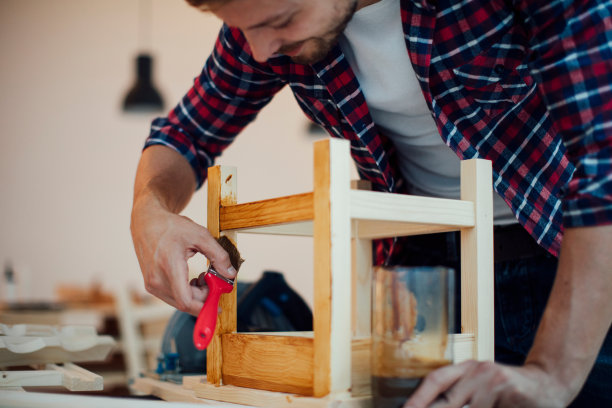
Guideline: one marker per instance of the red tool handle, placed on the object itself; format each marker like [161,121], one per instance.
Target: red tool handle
[207,318]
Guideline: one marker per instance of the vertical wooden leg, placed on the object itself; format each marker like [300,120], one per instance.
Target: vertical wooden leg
[332,269]
[362,261]
[361,314]
[362,287]
[477,279]
[221,191]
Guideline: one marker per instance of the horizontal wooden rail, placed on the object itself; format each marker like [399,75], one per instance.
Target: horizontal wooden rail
[373,229]
[284,362]
[273,363]
[299,229]
[377,206]
[280,210]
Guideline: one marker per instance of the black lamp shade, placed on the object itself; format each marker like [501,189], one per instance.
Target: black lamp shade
[143,97]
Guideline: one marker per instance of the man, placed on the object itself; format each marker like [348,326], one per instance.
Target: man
[526,84]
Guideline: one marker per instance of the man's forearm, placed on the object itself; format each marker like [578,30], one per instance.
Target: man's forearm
[579,311]
[163,178]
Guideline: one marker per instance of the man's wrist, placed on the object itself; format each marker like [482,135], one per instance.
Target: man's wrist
[565,385]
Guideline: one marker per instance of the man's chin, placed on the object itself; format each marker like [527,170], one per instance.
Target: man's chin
[313,53]
[306,59]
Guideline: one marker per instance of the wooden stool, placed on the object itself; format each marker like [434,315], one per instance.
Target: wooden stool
[331,364]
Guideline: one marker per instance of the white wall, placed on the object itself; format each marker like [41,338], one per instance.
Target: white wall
[68,154]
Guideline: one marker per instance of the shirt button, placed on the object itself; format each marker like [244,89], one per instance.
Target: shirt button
[499,69]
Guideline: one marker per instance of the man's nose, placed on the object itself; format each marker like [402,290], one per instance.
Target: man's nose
[263,43]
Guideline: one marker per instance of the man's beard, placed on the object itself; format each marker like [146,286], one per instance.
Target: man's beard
[321,46]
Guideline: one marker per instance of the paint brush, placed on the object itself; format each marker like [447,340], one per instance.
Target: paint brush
[217,285]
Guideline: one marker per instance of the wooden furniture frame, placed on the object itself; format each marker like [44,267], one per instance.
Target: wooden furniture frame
[43,347]
[333,362]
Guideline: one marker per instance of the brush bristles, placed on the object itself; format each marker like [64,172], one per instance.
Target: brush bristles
[231,249]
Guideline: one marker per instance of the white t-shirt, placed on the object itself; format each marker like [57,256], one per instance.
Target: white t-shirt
[375,47]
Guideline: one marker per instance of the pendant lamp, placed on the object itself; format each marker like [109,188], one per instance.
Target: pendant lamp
[143,96]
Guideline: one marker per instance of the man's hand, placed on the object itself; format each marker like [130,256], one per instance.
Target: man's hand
[575,322]
[164,240]
[487,385]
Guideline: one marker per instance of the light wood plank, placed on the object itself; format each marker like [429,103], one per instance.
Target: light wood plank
[361,278]
[361,281]
[76,378]
[463,347]
[301,228]
[371,229]
[274,363]
[322,270]
[374,205]
[189,381]
[70,376]
[477,280]
[48,400]
[280,210]
[221,191]
[172,392]
[30,378]
[341,301]
[269,399]
[332,231]
[361,371]
[367,229]
[275,349]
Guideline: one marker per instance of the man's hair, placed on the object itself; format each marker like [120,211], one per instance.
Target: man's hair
[207,5]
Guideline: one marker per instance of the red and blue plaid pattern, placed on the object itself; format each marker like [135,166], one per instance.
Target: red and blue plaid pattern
[525,84]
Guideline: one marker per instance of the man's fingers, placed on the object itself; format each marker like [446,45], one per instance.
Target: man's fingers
[436,383]
[198,295]
[214,252]
[478,376]
[484,397]
[181,290]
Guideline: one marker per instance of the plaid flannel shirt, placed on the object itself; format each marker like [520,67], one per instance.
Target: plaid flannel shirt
[526,84]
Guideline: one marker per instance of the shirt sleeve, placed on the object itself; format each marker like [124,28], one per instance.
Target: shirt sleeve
[571,45]
[226,97]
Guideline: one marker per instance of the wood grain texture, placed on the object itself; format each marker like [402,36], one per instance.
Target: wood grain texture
[332,263]
[477,279]
[463,347]
[341,293]
[221,191]
[50,400]
[172,392]
[269,399]
[361,282]
[361,371]
[30,378]
[361,275]
[280,210]
[70,376]
[374,205]
[322,270]
[300,229]
[373,229]
[274,363]
[76,378]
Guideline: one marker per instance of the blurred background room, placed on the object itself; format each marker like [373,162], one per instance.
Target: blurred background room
[69,151]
